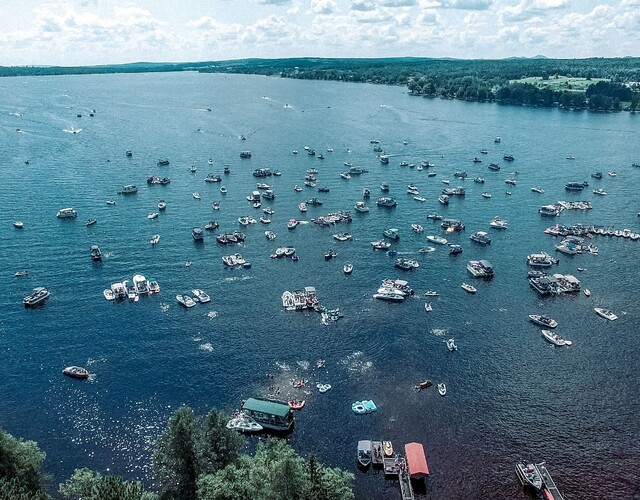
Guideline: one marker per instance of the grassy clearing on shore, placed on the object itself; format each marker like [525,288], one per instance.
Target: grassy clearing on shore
[561,83]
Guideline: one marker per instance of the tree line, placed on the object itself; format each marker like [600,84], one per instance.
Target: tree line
[196,458]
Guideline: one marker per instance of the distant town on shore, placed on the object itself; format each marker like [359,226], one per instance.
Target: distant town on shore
[595,84]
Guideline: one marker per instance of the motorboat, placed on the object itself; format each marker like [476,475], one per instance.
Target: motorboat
[163,162]
[111,202]
[21,273]
[66,213]
[479,180]
[543,320]
[486,195]
[361,206]
[153,215]
[244,423]
[270,235]
[468,288]
[128,152]
[427,307]
[541,259]
[129,189]
[381,245]
[140,284]
[481,268]
[211,225]
[364,452]
[347,268]
[76,372]
[37,297]
[444,199]
[437,239]
[162,205]
[392,233]
[154,239]
[108,294]
[455,249]
[193,169]
[185,300]
[537,190]
[296,404]
[605,313]
[90,222]
[498,223]
[386,202]
[481,237]
[384,187]
[245,154]
[425,384]
[587,292]
[508,157]
[387,448]
[494,166]
[119,290]
[265,220]
[406,264]
[442,389]
[96,254]
[200,296]
[446,181]
[430,293]
[529,475]
[597,175]
[451,345]
[330,254]
[302,206]
[342,236]
[555,339]
[292,224]
[434,217]
[196,195]
[600,191]
[345,175]
[421,199]
[417,228]
[612,173]
[197,233]
[388,295]
[511,181]
[575,186]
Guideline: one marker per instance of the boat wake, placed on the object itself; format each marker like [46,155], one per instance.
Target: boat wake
[283,366]
[238,278]
[164,307]
[206,347]
[72,130]
[356,363]
[303,364]
[212,314]
[439,332]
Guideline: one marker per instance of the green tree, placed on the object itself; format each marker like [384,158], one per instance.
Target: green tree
[20,467]
[85,484]
[177,461]
[221,445]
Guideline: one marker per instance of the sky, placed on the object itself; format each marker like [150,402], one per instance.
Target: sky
[89,32]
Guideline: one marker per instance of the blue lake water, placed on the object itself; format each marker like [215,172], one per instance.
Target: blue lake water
[511,395]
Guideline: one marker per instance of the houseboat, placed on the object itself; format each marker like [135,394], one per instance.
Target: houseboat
[271,414]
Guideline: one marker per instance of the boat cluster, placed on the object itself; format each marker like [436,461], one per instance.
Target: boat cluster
[284,252]
[556,284]
[190,300]
[139,286]
[393,290]
[235,260]
[332,218]
[158,180]
[299,300]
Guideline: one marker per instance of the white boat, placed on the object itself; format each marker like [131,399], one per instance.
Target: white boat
[18,224]
[129,189]
[360,206]
[364,452]
[600,191]
[197,233]
[243,423]
[388,295]
[587,292]
[427,307]
[196,195]
[347,268]
[451,345]
[342,236]
[437,239]
[417,228]
[481,237]
[265,220]
[543,320]
[185,300]
[430,293]
[555,339]
[37,297]
[442,389]
[108,294]
[111,202]
[469,288]
[498,223]
[529,475]
[162,205]
[392,233]
[119,290]
[486,195]
[66,213]
[537,190]
[153,215]
[381,245]
[200,295]
[140,284]
[421,199]
[270,235]
[605,313]
[223,190]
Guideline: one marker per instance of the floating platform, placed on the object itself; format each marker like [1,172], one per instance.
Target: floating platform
[549,485]
[377,453]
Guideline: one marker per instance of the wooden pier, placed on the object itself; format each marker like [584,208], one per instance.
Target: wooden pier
[548,482]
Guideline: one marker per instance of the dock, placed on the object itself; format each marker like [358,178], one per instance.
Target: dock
[405,485]
[549,485]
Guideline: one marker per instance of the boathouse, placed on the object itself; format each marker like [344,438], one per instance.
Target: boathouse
[416,460]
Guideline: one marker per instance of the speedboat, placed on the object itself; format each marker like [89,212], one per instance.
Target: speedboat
[24,272]
[342,236]
[543,320]
[76,372]
[90,222]
[66,213]
[481,237]
[427,307]
[37,297]
[486,195]
[612,173]
[140,284]
[185,300]
[347,268]
[537,190]
[200,296]
[197,233]
[387,448]
[196,195]
[554,338]
[162,205]
[605,313]
[211,225]
[152,215]
[380,245]
[392,233]
[364,452]
[587,292]
[451,345]
[454,249]
[243,423]
[430,293]
[600,191]
[111,202]
[442,389]
[154,239]
[498,223]
[96,254]
[468,288]
[389,295]
[529,475]
[437,239]
[270,235]
[360,206]
[417,228]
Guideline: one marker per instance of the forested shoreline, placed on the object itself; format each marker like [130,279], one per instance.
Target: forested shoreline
[596,84]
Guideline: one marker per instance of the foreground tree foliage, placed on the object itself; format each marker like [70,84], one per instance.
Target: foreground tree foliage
[195,459]
[88,485]
[275,472]
[20,468]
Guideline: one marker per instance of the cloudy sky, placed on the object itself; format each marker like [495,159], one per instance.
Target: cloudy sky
[79,32]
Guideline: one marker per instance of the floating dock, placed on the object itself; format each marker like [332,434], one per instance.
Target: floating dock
[377,453]
[550,486]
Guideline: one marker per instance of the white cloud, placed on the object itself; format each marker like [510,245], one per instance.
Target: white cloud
[274,2]
[363,5]
[324,7]
[528,9]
